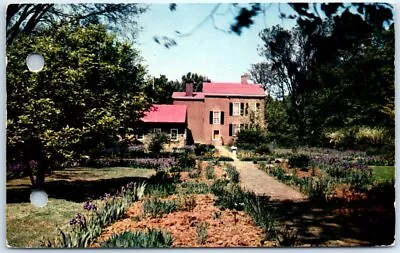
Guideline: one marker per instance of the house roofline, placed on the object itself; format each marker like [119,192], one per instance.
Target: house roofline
[233,95]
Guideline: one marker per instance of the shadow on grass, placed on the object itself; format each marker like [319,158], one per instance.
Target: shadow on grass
[76,191]
[338,224]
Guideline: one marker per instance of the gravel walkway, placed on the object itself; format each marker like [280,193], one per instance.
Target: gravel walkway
[256,180]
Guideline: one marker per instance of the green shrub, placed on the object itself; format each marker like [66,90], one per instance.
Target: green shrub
[210,173]
[188,203]
[258,209]
[186,161]
[151,238]
[233,174]
[201,232]
[299,161]
[157,141]
[318,188]
[191,187]
[217,188]
[162,184]
[225,159]
[155,207]
[250,138]
[202,149]
[263,149]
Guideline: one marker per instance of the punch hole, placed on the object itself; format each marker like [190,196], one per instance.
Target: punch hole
[39,198]
[35,62]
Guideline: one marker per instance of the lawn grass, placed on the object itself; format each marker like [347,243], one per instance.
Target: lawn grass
[27,225]
[383,173]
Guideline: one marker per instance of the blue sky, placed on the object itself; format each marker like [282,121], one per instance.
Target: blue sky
[220,56]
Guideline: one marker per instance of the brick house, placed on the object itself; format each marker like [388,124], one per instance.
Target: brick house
[168,119]
[217,113]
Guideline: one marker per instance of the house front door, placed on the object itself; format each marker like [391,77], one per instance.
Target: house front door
[216,136]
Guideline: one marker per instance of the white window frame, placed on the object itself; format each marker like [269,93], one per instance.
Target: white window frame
[174,129]
[157,130]
[217,120]
[235,129]
[238,109]
[212,134]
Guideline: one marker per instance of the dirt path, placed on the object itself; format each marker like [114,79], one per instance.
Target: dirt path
[253,179]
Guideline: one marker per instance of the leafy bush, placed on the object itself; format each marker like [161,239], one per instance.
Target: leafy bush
[210,173]
[225,159]
[250,138]
[217,188]
[201,232]
[186,161]
[202,149]
[157,208]
[152,238]
[157,141]
[263,149]
[188,203]
[318,189]
[299,161]
[233,174]
[191,187]
[162,184]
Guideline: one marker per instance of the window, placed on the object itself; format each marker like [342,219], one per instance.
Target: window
[236,109]
[216,117]
[257,107]
[157,130]
[174,134]
[235,129]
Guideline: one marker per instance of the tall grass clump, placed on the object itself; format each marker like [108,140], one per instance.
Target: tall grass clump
[152,238]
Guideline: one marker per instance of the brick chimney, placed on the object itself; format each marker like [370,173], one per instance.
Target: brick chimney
[189,89]
[244,78]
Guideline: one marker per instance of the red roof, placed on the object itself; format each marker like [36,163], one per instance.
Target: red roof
[182,95]
[166,114]
[237,89]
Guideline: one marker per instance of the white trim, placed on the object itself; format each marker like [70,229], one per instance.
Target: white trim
[157,130]
[233,109]
[177,132]
[219,112]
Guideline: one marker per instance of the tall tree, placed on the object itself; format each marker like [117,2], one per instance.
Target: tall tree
[196,79]
[88,91]
[26,18]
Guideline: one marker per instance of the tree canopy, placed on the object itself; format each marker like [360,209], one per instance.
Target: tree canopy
[89,91]
[336,74]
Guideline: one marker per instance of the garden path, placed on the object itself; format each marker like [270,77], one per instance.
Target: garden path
[259,182]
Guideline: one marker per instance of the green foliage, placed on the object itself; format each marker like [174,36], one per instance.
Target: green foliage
[85,229]
[155,207]
[157,141]
[224,159]
[250,138]
[87,93]
[217,188]
[299,161]
[201,232]
[233,174]
[263,149]
[186,161]
[162,184]
[210,173]
[203,149]
[188,203]
[192,187]
[152,238]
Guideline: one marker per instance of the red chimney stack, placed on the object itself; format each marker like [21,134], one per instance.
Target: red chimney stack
[189,89]
[244,78]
